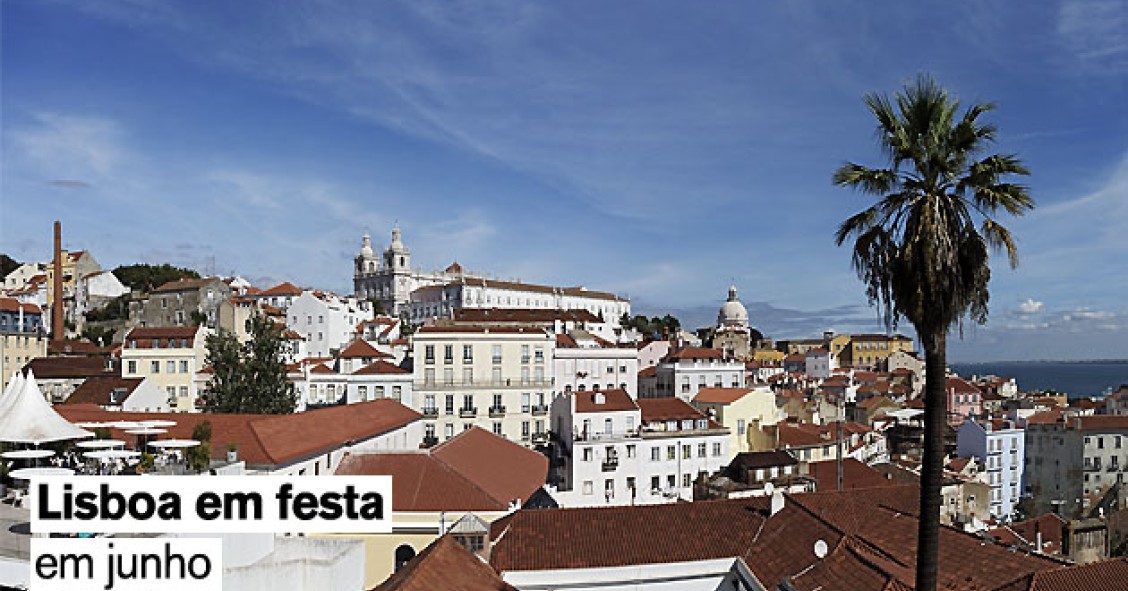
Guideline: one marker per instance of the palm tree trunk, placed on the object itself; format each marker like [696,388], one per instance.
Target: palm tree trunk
[932,460]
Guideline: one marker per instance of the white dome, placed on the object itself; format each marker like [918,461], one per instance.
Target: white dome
[732,313]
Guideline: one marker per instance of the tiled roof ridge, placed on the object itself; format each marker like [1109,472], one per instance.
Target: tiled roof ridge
[455,471]
[252,425]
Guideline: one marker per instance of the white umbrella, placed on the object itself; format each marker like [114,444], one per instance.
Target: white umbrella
[27,454]
[126,425]
[27,473]
[27,417]
[146,431]
[175,443]
[99,443]
[158,423]
[93,424]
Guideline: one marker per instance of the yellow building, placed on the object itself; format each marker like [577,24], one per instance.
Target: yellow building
[768,355]
[21,335]
[170,357]
[871,350]
[743,411]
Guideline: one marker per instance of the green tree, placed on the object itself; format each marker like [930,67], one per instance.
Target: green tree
[199,458]
[249,378]
[145,277]
[922,248]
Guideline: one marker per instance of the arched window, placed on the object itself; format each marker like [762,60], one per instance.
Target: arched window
[404,554]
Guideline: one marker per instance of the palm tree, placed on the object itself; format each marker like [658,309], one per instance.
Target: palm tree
[922,248]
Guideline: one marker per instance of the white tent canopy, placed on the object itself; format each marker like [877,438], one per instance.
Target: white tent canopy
[26,417]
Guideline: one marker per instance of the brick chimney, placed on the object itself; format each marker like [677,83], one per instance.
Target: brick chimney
[58,330]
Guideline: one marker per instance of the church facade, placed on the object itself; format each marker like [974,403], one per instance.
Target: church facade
[420,296]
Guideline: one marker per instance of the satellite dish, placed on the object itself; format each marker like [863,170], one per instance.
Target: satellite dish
[769,488]
[820,549]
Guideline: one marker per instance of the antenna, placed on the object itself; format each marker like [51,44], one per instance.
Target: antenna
[820,549]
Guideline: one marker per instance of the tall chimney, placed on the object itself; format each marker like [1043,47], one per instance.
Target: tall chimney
[57,328]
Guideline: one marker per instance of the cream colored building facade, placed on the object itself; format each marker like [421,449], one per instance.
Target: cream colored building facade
[743,411]
[497,378]
[169,357]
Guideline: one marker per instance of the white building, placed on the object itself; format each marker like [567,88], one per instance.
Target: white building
[1000,445]
[496,378]
[170,357]
[819,363]
[619,451]
[326,321]
[687,370]
[585,362]
[420,295]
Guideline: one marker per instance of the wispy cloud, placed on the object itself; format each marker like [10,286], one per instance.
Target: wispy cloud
[1097,32]
[81,148]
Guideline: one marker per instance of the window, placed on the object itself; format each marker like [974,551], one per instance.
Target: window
[524,353]
[429,353]
[587,487]
[701,450]
[170,366]
[429,376]
[525,402]
[741,427]
[448,430]
[538,354]
[609,488]
[448,354]
[687,452]
[655,454]
[497,427]
[630,483]
[671,481]
[655,483]
[450,404]
[607,424]
[467,401]
[184,391]
[184,366]
[716,450]
[686,481]
[497,353]
[132,365]
[155,367]
[671,452]
[321,320]
[630,451]
[448,376]
[397,392]
[525,429]
[171,390]
[467,353]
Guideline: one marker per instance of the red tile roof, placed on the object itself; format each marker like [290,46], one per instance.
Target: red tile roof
[614,400]
[380,367]
[445,566]
[13,305]
[361,348]
[796,436]
[696,353]
[282,289]
[1107,575]
[854,475]
[185,284]
[1104,422]
[97,390]
[68,367]
[721,395]
[481,330]
[157,336]
[648,372]
[667,409]
[519,315]
[272,440]
[871,534]
[961,386]
[474,471]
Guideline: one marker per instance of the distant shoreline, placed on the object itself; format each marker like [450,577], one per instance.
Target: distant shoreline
[1036,361]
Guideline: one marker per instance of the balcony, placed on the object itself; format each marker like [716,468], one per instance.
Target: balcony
[497,411]
[468,412]
[611,464]
[430,413]
[430,441]
[1113,468]
[605,436]
[540,409]
[484,384]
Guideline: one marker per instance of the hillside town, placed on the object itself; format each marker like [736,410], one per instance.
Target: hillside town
[545,437]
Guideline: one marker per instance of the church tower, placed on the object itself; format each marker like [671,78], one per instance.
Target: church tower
[397,258]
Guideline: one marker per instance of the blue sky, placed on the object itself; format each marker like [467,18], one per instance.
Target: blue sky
[660,150]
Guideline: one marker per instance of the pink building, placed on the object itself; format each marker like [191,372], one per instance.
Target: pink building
[964,399]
